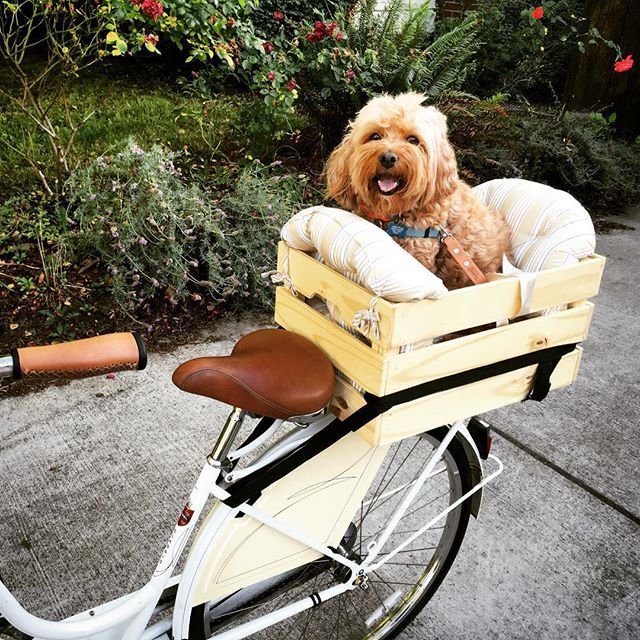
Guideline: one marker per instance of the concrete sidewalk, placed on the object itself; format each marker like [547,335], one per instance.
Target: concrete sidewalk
[93,474]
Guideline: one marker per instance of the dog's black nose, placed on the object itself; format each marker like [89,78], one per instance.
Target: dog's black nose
[388,159]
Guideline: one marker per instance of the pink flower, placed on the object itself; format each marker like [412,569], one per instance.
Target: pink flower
[271,76]
[267,46]
[292,84]
[621,66]
[278,15]
[339,35]
[349,75]
[152,8]
[151,39]
[537,13]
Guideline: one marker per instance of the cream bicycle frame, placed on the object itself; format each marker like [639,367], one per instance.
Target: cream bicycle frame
[295,519]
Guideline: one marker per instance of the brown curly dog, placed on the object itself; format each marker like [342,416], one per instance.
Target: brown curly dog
[396,165]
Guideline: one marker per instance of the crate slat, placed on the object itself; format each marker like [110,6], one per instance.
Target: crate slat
[494,301]
[475,350]
[385,373]
[313,278]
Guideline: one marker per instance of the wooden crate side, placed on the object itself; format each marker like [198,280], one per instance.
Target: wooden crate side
[446,407]
[493,301]
[312,278]
[478,349]
[348,354]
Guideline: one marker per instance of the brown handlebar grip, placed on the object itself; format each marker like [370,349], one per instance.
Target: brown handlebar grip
[81,358]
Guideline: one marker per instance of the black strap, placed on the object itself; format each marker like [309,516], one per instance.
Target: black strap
[547,357]
[251,486]
[542,382]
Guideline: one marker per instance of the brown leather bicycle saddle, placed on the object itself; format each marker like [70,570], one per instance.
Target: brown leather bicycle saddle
[270,372]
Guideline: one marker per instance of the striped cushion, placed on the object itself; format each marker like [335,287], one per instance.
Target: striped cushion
[549,228]
[363,253]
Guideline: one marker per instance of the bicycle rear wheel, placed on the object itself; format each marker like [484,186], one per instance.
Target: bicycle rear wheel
[398,590]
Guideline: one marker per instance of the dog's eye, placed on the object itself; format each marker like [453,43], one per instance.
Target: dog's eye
[375,136]
[413,140]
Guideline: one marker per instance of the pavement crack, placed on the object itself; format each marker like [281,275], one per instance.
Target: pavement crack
[568,475]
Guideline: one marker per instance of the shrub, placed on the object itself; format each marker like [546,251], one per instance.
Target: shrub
[207,29]
[387,51]
[160,239]
[148,228]
[264,198]
[334,66]
[528,55]
[572,151]
[68,35]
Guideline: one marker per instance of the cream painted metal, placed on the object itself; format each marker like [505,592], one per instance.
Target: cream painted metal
[250,551]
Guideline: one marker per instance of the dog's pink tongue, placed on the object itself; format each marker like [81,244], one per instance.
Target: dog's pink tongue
[387,184]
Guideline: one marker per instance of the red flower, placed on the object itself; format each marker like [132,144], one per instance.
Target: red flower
[231,22]
[136,3]
[151,39]
[271,76]
[339,35]
[331,27]
[152,8]
[621,66]
[537,13]
[267,46]
[292,84]
[349,75]
[278,15]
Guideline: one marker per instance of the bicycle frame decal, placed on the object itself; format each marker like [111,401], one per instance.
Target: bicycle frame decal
[185,516]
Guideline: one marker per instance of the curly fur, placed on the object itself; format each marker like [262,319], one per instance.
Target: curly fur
[429,192]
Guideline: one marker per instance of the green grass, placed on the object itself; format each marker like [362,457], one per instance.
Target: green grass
[151,110]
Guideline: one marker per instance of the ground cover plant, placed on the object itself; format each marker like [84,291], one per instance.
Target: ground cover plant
[150,151]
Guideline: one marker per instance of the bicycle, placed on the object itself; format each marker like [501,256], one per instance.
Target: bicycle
[320,535]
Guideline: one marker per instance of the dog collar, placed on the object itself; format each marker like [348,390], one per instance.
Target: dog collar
[455,249]
[399,230]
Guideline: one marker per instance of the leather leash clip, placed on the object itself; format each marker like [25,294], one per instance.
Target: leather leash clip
[462,257]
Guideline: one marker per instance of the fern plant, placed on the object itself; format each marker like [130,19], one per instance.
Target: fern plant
[393,50]
[396,51]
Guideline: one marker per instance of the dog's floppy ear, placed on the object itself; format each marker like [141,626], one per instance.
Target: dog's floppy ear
[442,158]
[338,178]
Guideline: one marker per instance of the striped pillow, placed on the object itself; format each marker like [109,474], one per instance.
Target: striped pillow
[363,253]
[549,228]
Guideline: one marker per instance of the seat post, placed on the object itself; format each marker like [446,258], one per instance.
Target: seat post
[226,437]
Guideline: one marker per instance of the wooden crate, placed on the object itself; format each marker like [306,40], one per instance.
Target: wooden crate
[379,368]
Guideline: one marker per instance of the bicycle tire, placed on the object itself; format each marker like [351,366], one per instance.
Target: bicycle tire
[301,582]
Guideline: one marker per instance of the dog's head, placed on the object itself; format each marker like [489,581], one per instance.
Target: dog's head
[394,158]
